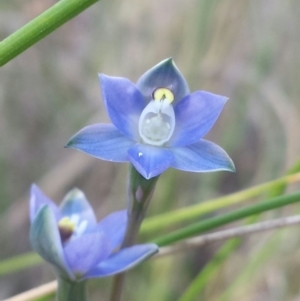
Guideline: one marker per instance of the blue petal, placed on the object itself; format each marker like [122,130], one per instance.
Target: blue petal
[150,161]
[45,240]
[102,141]
[123,260]
[195,115]
[114,227]
[37,200]
[124,104]
[201,157]
[85,252]
[75,203]
[163,75]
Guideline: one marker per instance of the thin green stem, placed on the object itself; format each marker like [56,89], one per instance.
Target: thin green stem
[71,290]
[211,269]
[41,26]
[168,219]
[221,220]
[172,218]
[140,191]
[19,263]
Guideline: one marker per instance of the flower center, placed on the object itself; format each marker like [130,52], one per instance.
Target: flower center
[157,121]
[71,226]
[66,228]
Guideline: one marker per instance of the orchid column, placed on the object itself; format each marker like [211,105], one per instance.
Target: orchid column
[156,124]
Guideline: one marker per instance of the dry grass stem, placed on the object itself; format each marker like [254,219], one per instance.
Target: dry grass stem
[230,233]
[35,293]
[50,287]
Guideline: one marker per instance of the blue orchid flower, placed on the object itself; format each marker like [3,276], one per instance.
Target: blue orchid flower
[78,247]
[157,124]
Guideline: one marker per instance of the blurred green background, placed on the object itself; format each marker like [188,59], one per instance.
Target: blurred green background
[246,50]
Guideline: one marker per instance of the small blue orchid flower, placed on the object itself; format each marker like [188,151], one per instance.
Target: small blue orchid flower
[78,247]
[157,124]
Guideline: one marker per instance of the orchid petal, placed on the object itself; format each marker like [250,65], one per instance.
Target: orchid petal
[201,157]
[163,75]
[195,115]
[75,203]
[84,252]
[123,260]
[124,104]
[102,141]
[37,200]
[114,227]
[45,240]
[150,161]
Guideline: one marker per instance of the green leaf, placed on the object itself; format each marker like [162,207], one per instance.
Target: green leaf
[161,221]
[214,222]
[40,27]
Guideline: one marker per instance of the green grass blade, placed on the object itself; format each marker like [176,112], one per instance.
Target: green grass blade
[161,221]
[214,222]
[41,26]
[18,263]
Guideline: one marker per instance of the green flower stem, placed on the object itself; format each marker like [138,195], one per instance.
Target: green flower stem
[161,221]
[221,220]
[71,290]
[140,191]
[41,26]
